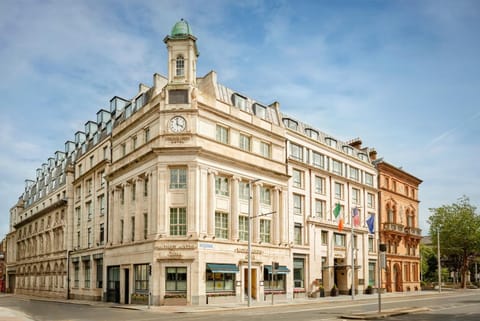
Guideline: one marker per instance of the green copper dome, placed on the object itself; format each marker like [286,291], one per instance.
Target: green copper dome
[181,29]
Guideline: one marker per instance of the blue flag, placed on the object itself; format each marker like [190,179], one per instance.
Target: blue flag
[371,223]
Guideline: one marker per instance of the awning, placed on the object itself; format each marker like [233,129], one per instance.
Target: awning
[282,269]
[222,268]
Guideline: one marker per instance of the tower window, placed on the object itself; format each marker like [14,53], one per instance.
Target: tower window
[180,66]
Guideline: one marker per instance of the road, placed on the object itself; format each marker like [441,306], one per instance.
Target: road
[459,305]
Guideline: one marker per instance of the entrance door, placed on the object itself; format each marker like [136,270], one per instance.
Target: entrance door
[113,284]
[254,282]
[127,288]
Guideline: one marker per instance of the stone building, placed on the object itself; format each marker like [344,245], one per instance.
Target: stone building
[159,197]
[399,230]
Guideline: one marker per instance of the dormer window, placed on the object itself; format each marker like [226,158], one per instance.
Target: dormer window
[363,156]
[180,67]
[311,133]
[331,142]
[260,111]
[290,123]
[348,150]
[239,101]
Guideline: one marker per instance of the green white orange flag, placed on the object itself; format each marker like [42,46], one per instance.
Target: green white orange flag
[336,213]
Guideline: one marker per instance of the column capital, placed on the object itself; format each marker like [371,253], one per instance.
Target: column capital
[212,172]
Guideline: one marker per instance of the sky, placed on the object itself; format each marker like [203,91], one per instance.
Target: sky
[404,76]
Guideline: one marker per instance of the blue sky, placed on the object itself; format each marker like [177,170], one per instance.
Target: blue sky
[404,76]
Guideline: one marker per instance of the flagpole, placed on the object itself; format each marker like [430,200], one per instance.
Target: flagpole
[353,257]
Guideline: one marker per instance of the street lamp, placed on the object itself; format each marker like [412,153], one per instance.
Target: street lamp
[250,196]
[439,265]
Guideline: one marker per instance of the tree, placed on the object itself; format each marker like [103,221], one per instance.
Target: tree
[459,228]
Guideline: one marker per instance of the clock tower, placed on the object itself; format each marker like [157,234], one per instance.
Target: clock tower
[182,62]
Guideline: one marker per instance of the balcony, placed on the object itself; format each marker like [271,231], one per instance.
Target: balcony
[413,231]
[393,227]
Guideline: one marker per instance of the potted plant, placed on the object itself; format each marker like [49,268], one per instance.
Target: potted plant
[334,291]
[369,290]
[321,290]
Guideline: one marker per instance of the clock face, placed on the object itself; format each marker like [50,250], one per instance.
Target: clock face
[178,124]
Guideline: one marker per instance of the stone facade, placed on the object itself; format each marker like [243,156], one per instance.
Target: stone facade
[158,199]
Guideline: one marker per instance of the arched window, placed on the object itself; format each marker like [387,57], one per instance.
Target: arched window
[180,66]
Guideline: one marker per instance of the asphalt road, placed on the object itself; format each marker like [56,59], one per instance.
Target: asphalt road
[460,305]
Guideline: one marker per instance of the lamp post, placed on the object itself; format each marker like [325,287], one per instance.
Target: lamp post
[249,286]
[439,263]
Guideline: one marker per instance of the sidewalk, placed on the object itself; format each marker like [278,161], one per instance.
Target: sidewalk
[7,314]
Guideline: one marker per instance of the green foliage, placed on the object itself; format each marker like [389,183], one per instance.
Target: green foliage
[459,228]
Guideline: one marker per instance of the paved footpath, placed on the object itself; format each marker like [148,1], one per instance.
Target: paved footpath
[7,314]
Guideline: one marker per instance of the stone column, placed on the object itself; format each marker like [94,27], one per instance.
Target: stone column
[283,216]
[276,216]
[211,203]
[153,202]
[127,212]
[234,209]
[138,208]
[163,208]
[255,212]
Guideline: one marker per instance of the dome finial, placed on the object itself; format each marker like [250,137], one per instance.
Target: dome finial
[181,29]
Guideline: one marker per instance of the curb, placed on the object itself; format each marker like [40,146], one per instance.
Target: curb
[384,314]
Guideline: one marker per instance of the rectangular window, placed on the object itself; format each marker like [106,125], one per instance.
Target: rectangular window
[221,186]
[371,273]
[337,167]
[89,237]
[86,267]
[102,234]
[140,275]
[297,204]
[123,148]
[222,134]
[319,185]
[76,274]
[145,187]
[134,191]
[101,204]
[99,265]
[265,150]
[122,195]
[324,238]
[243,228]
[354,174]
[78,214]
[339,240]
[221,225]
[78,191]
[78,239]
[369,179]
[243,191]
[371,244]
[105,153]
[320,208]
[220,282]
[339,191]
[176,279]
[133,228]
[146,134]
[134,142]
[178,178]
[145,226]
[88,205]
[318,160]
[299,272]
[298,234]
[122,225]
[244,142]
[296,151]
[265,196]
[178,221]
[265,231]
[297,178]
[89,186]
[370,200]
[356,196]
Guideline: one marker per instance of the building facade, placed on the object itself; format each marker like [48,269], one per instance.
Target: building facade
[160,197]
[399,230]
